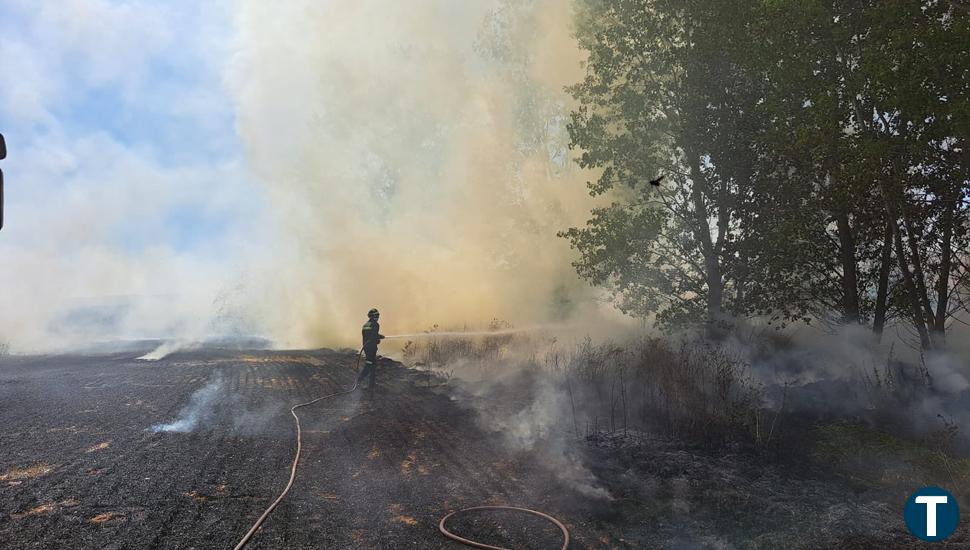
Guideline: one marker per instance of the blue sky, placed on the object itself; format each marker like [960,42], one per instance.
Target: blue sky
[125,174]
[145,79]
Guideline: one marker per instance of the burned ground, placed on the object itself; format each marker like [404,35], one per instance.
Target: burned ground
[82,468]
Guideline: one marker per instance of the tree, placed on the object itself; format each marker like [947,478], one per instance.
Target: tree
[817,151]
[661,96]
[891,75]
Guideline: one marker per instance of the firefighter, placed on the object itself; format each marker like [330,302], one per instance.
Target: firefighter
[3,155]
[371,336]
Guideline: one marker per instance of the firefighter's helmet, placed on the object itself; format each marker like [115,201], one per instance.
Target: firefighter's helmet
[373,313]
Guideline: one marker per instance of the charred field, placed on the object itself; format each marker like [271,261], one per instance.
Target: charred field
[82,467]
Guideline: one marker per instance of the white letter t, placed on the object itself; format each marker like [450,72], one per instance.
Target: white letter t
[931,503]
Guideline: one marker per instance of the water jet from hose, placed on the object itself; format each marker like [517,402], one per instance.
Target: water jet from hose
[472,333]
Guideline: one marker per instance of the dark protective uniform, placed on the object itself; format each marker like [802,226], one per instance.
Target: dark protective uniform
[3,155]
[371,337]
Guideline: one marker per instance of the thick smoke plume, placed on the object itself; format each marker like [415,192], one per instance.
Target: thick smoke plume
[416,156]
[406,155]
[127,202]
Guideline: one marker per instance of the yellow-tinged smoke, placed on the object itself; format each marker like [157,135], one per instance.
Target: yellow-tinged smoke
[416,157]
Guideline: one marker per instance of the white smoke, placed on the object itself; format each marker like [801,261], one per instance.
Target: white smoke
[200,409]
[119,231]
[947,372]
[168,348]
[415,156]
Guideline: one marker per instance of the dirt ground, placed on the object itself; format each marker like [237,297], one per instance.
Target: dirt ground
[80,467]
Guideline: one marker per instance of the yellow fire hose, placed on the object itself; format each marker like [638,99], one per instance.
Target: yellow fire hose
[296,460]
[444,530]
[441,524]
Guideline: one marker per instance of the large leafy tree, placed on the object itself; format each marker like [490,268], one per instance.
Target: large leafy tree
[883,90]
[828,243]
[661,96]
[815,153]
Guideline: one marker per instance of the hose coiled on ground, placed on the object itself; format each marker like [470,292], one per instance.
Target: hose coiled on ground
[444,530]
[441,524]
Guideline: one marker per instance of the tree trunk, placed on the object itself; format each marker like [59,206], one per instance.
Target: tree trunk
[702,232]
[742,280]
[850,282]
[882,293]
[946,264]
[914,282]
[919,276]
[916,310]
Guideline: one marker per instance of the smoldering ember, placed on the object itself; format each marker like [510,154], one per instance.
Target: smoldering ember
[500,274]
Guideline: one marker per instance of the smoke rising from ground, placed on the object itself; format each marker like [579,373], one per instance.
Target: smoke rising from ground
[199,410]
[217,404]
[415,155]
[846,374]
[532,412]
[546,391]
[167,348]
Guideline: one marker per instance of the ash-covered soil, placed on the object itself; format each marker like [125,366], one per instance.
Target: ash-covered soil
[81,467]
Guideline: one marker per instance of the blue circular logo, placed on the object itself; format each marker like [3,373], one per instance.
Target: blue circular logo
[931,514]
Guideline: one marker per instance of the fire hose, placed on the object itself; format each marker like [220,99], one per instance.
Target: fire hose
[296,460]
[441,525]
[467,542]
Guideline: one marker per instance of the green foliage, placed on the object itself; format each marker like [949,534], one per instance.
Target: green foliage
[649,105]
[793,135]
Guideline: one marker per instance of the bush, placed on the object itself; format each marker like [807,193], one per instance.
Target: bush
[691,389]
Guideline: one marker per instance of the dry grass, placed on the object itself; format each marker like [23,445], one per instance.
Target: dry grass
[30,472]
[692,389]
[406,520]
[47,508]
[441,352]
[196,496]
[411,464]
[397,516]
[105,517]
[98,447]
[42,509]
